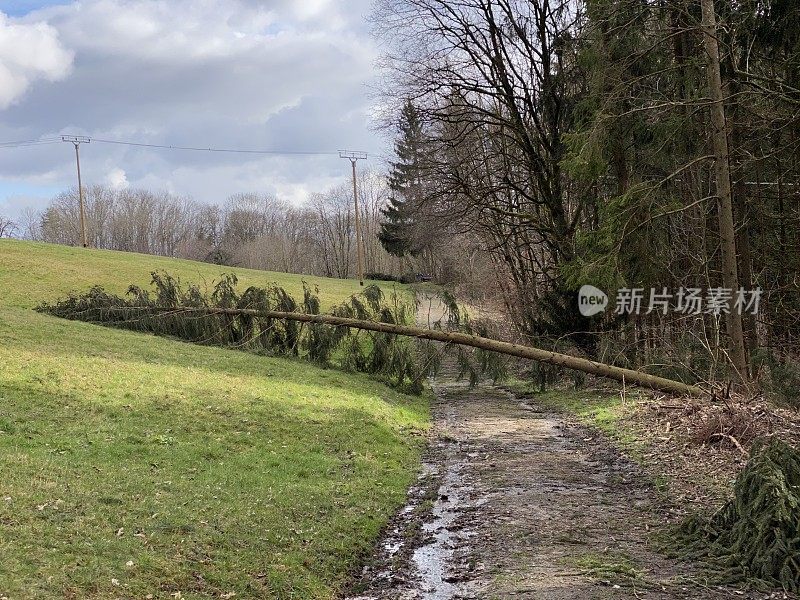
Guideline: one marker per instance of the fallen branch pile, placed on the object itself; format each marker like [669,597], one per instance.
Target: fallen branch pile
[755,536]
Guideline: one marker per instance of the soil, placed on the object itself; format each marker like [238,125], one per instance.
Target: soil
[701,445]
[517,502]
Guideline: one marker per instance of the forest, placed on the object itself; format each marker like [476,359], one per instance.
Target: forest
[624,144]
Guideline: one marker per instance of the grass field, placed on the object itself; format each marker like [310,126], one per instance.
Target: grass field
[135,466]
[31,272]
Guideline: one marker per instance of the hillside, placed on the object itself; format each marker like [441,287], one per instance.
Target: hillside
[31,272]
[136,465]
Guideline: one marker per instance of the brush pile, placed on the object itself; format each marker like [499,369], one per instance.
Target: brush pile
[755,536]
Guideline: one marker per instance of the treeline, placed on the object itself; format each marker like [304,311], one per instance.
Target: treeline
[248,230]
[575,139]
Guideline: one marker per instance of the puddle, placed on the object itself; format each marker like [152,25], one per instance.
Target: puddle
[429,571]
[431,560]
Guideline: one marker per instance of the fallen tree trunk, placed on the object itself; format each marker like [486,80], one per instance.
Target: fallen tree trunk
[627,376]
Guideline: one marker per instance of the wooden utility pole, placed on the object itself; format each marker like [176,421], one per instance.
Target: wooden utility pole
[77,140]
[727,228]
[354,157]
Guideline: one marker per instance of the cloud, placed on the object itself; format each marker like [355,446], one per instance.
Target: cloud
[276,74]
[29,52]
[117,179]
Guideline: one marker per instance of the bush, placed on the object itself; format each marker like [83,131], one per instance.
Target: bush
[378,276]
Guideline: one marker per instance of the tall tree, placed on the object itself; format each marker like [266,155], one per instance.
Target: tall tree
[727,229]
[399,232]
[496,84]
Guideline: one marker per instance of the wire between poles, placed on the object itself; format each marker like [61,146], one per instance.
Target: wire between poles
[211,149]
[47,141]
[23,143]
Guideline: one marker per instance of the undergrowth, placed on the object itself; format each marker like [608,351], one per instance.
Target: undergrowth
[754,538]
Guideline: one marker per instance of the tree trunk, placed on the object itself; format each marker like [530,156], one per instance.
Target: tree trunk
[628,376]
[727,230]
[741,201]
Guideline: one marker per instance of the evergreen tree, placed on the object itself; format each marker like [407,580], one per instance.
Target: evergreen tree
[397,232]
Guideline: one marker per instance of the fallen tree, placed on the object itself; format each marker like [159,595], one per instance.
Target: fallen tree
[226,317]
[627,376]
[755,536]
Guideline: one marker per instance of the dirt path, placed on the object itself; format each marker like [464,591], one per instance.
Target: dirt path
[515,503]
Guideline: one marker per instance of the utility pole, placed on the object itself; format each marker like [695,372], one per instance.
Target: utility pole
[77,140]
[354,157]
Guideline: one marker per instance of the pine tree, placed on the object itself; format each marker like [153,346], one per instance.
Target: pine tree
[397,233]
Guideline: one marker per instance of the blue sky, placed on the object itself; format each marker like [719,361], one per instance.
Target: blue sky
[277,74]
[17,8]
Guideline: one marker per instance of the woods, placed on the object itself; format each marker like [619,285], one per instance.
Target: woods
[621,144]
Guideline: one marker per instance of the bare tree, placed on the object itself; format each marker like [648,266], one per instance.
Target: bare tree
[249,230]
[7,227]
[31,223]
[496,83]
[335,230]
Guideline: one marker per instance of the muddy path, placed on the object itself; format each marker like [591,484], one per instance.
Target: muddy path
[514,502]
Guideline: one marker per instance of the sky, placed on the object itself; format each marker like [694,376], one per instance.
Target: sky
[289,75]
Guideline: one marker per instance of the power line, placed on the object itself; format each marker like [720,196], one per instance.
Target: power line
[46,141]
[78,140]
[22,143]
[212,149]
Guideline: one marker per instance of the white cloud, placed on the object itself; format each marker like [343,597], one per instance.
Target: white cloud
[277,74]
[28,52]
[117,179]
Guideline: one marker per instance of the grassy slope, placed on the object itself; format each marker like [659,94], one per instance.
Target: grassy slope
[33,272]
[136,465]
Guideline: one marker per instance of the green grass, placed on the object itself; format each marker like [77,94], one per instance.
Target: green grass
[135,465]
[33,272]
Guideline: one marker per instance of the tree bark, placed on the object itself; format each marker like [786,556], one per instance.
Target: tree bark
[741,201]
[727,230]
